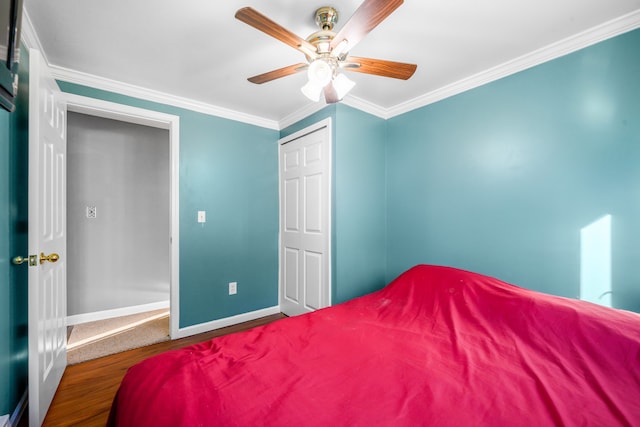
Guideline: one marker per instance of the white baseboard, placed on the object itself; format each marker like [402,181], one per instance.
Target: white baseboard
[14,419]
[117,312]
[227,321]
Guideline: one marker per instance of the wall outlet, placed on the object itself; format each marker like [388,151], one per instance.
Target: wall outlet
[233,288]
[92,212]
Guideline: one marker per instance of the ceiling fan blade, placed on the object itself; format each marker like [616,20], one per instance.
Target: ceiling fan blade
[330,94]
[276,74]
[260,22]
[379,67]
[364,19]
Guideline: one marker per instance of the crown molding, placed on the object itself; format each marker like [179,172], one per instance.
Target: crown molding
[555,50]
[300,114]
[29,36]
[366,106]
[32,41]
[85,79]
[314,107]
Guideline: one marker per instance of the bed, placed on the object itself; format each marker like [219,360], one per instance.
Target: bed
[438,346]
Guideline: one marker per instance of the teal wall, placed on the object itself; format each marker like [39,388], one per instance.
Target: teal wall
[14,164]
[229,169]
[358,199]
[359,221]
[501,179]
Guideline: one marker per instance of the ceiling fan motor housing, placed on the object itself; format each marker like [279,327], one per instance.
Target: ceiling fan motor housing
[326,17]
[322,41]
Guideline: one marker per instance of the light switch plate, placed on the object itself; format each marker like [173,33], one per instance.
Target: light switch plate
[202,216]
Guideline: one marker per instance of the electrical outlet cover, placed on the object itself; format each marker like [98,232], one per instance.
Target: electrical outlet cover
[92,212]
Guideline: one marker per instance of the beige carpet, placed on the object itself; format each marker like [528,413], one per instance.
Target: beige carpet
[104,337]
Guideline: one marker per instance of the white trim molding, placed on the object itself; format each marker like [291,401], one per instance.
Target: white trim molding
[29,36]
[76,319]
[31,40]
[300,114]
[555,50]
[227,321]
[13,420]
[96,82]
[366,106]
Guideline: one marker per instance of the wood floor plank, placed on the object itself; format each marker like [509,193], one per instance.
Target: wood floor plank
[87,389]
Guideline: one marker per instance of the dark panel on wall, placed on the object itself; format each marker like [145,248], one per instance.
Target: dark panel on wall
[14,178]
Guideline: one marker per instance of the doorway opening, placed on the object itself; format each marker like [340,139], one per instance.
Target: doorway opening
[122,204]
[118,235]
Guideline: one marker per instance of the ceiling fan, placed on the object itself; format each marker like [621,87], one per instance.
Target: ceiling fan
[327,52]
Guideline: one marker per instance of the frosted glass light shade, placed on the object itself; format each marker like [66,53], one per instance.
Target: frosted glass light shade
[342,84]
[320,72]
[312,90]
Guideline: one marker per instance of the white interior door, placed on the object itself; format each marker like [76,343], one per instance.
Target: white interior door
[47,238]
[305,226]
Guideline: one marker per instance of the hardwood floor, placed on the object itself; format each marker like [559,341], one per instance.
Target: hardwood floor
[87,389]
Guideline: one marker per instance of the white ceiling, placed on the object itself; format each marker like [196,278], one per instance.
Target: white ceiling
[197,50]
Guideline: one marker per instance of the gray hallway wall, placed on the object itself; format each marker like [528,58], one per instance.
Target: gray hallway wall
[120,258]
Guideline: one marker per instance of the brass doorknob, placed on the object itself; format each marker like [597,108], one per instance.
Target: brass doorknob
[51,258]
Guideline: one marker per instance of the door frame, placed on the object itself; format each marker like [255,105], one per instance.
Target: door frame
[325,123]
[134,115]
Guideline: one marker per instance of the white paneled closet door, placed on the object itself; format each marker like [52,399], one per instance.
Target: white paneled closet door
[305,223]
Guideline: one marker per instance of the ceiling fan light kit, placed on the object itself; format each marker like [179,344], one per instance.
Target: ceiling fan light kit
[327,52]
[320,73]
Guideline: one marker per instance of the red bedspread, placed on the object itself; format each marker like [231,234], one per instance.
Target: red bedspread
[436,347]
